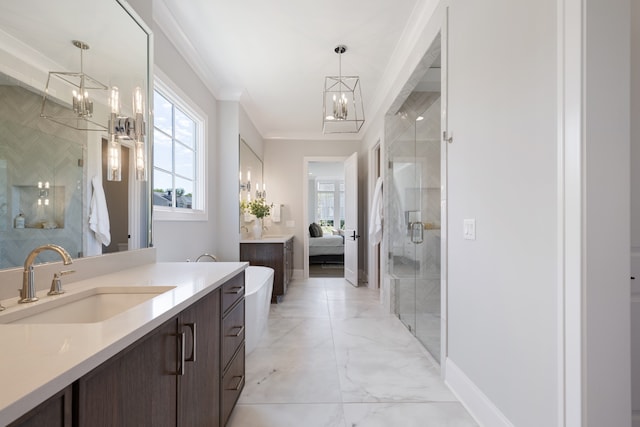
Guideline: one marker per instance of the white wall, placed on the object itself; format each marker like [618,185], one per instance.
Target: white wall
[179,240]
[219,234]
[502,163]
[283,163]
[227,167]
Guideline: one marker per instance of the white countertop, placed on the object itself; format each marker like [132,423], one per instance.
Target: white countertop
[269,239]
[38,360]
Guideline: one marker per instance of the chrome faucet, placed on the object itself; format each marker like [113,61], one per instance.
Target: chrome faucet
[28,292]
[204,255]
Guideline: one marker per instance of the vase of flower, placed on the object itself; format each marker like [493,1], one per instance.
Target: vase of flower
[257,229]
[260,209]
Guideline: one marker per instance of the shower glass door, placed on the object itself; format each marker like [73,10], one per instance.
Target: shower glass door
[413,206]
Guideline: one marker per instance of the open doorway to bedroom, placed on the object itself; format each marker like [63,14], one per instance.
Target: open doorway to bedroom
[326,218]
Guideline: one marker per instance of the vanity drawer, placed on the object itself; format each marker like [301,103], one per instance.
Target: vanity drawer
[232,385]
[232,333]
[232,291]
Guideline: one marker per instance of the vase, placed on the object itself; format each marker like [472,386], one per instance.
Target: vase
[257,228]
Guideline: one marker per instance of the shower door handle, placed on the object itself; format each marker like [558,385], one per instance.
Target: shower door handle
[417,232]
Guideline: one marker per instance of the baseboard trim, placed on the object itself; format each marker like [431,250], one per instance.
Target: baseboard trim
[473,399]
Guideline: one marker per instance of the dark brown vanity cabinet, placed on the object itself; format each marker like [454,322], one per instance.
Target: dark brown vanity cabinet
[187,372]
[278,255]
[170,377]
[54,412]
[199,368]
[138,386]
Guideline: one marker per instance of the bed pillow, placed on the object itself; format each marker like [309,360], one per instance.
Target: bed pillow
[315,230]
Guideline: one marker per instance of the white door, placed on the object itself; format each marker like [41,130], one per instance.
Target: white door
[351,219]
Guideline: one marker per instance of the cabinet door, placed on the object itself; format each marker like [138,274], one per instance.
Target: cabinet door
[53,412]
[199,379]
[135,387]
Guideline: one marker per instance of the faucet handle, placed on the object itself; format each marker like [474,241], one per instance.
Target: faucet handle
[56,283]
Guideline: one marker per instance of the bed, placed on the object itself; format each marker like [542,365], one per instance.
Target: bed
[326,249]
[325,246]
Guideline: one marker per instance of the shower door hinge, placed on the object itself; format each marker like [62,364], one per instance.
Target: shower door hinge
[390,164]
[447,137]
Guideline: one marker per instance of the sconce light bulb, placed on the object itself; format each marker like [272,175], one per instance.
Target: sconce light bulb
[39,184]
[113,160]
[114,102]
[141,173]
[46,184]
[138,105]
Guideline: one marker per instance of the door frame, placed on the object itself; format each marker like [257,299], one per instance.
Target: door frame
[305,203]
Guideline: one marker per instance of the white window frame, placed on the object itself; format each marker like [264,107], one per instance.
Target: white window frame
[175,95]
[338,208]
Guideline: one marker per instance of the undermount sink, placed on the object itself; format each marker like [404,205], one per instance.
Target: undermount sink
[89,306]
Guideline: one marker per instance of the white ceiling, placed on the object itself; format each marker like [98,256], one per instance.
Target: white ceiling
[273,55]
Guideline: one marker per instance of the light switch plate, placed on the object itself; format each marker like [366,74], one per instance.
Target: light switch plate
[470,229]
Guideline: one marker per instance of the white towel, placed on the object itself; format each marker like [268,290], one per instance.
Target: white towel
[275,213]
[99,215]
[375,217]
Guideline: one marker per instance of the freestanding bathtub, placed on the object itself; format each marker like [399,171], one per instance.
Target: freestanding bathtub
[258,288]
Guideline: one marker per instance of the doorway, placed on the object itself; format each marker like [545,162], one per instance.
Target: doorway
[117,197]
[326,209]
[415,205]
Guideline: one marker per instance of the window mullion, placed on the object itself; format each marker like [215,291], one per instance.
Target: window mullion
[173,156]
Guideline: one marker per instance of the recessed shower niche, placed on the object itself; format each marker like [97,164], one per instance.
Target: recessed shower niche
[42,205]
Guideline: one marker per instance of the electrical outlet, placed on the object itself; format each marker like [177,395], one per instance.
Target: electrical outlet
[470,229]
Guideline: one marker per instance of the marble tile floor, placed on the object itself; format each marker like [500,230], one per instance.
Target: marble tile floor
[332,357]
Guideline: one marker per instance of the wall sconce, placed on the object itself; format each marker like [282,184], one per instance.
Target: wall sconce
[246,186]
[128,128]
[261,194]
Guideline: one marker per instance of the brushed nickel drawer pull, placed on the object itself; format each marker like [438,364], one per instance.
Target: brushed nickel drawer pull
[239,386]
[192,326]
[240,330]
[238,289]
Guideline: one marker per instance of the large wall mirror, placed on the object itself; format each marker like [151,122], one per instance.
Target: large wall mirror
[47,168]
[251,180]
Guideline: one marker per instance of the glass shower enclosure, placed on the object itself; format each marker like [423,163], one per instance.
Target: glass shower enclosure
[413,200]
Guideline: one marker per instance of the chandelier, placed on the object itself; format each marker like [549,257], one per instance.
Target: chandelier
[79,84]
[343,110]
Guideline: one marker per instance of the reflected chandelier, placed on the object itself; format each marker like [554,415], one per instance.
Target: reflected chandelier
[80,116]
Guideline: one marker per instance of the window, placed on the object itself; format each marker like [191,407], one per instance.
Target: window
[178,156]
[330,203]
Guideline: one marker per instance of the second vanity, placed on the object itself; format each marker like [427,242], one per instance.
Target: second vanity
[171,356]
[275,252]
